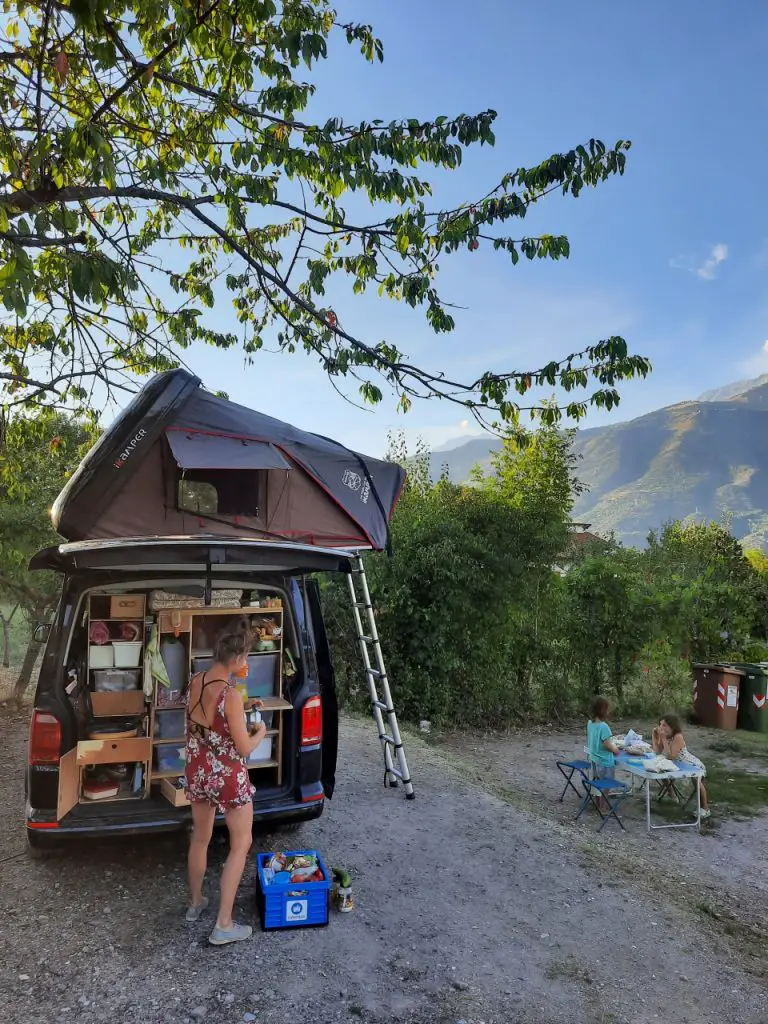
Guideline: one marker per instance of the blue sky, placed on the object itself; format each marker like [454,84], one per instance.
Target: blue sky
[674,255]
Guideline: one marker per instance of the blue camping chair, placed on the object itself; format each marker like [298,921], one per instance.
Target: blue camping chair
[570,768]
[612,792]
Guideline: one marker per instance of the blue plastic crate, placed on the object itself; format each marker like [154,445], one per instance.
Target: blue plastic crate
[293,904]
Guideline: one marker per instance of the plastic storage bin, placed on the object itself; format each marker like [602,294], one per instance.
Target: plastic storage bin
[169,725]
[716,695]
[170,758]
[127,653]
[263,752]
[113,680]
[101,656]
[262,673]
[292,904]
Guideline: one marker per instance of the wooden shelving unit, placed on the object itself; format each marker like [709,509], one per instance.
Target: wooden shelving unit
[186,624]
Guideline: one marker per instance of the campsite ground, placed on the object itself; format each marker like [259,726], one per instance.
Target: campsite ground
[478,902]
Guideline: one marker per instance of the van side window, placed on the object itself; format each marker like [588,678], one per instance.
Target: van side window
[226,492]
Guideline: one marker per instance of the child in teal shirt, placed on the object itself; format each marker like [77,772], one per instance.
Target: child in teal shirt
[600,744]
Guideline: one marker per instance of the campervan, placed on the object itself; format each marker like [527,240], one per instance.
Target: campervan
[189,511]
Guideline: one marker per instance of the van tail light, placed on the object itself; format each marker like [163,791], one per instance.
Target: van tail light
[44,738]
[312,722]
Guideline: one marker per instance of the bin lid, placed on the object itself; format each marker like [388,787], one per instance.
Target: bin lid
[721,667]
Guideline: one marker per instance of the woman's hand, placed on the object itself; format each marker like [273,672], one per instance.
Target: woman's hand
[254,704]
[257,736]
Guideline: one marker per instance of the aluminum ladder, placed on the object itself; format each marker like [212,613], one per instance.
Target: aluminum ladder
[378,682]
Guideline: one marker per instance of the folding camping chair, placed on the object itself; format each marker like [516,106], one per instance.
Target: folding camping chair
[570,768]
[609,790]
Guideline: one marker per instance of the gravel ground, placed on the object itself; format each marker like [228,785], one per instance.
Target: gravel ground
[470,907]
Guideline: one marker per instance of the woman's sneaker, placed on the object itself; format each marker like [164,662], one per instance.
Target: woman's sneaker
[704,815]
[224,936]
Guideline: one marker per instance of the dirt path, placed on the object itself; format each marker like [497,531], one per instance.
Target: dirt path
[468,909]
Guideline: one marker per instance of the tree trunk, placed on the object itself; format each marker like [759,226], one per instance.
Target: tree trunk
[25,673]
[7,636]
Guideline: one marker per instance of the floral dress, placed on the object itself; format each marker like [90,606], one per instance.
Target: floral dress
[215,773]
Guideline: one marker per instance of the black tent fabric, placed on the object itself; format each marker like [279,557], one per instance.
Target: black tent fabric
[197,450]
[293,484]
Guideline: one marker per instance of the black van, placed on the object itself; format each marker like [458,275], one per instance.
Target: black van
[104,742]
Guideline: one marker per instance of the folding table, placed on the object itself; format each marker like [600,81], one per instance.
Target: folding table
[635,766]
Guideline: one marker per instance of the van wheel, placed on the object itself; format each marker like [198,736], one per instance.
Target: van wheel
[37,850]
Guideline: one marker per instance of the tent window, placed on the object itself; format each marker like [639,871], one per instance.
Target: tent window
[224,492]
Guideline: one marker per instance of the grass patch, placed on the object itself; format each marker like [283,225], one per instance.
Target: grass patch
[566,970]
[742,744]
[736,791]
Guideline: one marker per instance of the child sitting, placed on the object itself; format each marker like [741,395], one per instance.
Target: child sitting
[600,744]
[667,739]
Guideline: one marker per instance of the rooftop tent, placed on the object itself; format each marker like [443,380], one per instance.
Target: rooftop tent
[180,461]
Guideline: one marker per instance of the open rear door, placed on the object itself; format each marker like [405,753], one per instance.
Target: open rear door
[327,680]
[214,554]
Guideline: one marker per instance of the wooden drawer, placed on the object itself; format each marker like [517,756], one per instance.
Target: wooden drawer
[174,621]
[127,606]
[123,751]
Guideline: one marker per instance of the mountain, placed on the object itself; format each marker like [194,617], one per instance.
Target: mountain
[730,391]
[697,459]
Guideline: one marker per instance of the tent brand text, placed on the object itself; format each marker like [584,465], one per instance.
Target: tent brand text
[129,449]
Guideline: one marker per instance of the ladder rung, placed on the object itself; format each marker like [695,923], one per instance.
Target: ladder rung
[389,740]
[383,707]
[367,639]
[363,604]
[375,673]
[396,773]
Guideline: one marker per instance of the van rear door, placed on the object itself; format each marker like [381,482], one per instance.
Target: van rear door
[213,555]
[327,680]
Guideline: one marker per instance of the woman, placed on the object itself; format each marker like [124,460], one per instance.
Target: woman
[667,739]
[218,746]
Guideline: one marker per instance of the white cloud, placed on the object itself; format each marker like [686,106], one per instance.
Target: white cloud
[765,347]
[708,269]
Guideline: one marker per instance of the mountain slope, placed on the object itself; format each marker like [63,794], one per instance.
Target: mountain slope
[696,459]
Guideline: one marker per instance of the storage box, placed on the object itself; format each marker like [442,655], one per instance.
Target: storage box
[263,752]
[177,797]
[112,680]
[101,656]
[123,702]
[262,673]
[292,904]
[127,606]
[169,725]
[165,698]
[127,653]
[171,758]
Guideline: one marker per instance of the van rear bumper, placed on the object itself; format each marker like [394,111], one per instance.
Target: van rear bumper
[43,830]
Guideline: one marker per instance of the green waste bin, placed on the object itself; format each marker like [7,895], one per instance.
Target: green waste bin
[753,707]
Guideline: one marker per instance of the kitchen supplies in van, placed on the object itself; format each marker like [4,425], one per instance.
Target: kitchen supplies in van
[100,789]
[112,680]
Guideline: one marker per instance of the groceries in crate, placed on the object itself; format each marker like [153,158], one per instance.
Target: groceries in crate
[297,869]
